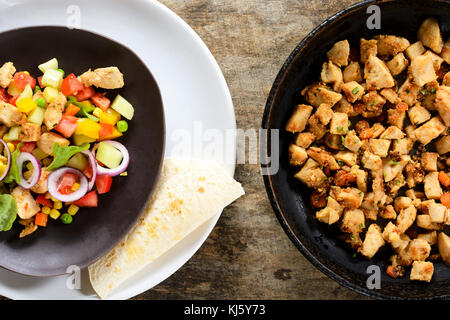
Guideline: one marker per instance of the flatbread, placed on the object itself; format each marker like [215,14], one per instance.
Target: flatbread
[188,193]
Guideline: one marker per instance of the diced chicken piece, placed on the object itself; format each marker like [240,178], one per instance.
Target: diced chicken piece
[48,140]
[299,118]
[422,70]
[392,168]
[430,237]
[409,92]
[388,212]
[367,48]
[7,71]
[446,80]
[429,131]
[432,186]
[323,157]
[348,197]
[392,133]
[444,247]
[316,127]
[437,61]
[377,74]
[402,146]
[391,45]
[377,130]
[443,145]
[430,35]
[9,115]
[311,174]
[406,218]
[53,113]
[304,139]
[414,50]
[371,161]
[339,53]
[353,91]
[380,147]
[352,142]
[353,72]
[445,53]
[339,124]
[331,213]
[424,205]
[422,271]
[417,250]
[397,64]
[411,132]
[429,161]
[418,114]
[401,203]
[361,178]
[371,106]
[414,174]
[30,132]
[443,103]
[41,186]
[394,185]
[353,221]
[424,221]
[324,113]
[317,94]
[391,96]
[437,212]
[106,78]
[343,106]
[372,242]
[396,117]
[26,205]
[297,155]
[349,158]
[332,74]
[393,235]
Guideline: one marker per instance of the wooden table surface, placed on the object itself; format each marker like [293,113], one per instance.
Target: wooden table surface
[248,255]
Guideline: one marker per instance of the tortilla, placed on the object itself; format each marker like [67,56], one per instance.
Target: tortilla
[188,193]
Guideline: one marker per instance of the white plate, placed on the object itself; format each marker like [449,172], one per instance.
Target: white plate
[195,97]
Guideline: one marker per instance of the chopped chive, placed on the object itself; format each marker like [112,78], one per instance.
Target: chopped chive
[355,90]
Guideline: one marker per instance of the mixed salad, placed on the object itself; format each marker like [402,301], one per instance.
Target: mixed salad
[57,148]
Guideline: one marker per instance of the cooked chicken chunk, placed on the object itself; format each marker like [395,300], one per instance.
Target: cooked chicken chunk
[444,247]
[318,94]
[7,71]
[297,155]
[372,242]
[430,130]
[443,145]
[48,140]
[30,132]
[332,74]
[311,174]
[324,113]
[422,70]
[389,45]
[26,205]
[106,78]
[377,74]
[54,111]
[353,221]
[304,139]
[353,72]
[443,103]
[429,161]
[430,35]
[414,50]
[299,118]
[397,64]
[348,197]
[9,115]
[323,157]
[422,271]
[432,186]
[367,48]
[339,53]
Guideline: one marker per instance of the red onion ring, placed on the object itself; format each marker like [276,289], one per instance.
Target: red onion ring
[123,165]
[8,166]
[21,159]
[53,185]
[93,164]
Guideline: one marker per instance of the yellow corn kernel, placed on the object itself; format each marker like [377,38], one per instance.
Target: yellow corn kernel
[54,214]
[73,209]
[124,174]
[11,147]
[75,186]
[97,112]
[57,204]
[46,210]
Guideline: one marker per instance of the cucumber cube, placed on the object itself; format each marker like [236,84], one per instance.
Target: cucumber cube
[122,106]
[26,93]
[52,78]
[50,94]
[78,161]
[13,134]
[108,155]
[49,65]
[37,116]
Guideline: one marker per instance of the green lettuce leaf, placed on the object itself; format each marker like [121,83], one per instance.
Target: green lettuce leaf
[61,155]
[8,211]
[14,173]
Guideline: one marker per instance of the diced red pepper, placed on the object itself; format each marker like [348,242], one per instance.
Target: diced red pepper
[27,147]
[71,85]
[41,199]
[103,183]
[106,130]
[67,125]
[21,79]
[4,96]
[89,200]
[41,219]
[66,183]
[71,110]
[85,94]
[101,101]
[41,84]
[13,100]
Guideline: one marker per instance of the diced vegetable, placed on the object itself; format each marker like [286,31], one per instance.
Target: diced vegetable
[67,125]
[39,154]
[66,218]
[66,183]
[71,85]
[63,154]
[50,94]
[109,116]
[122,125]
[103,183]
[114,135]
[88,128]
[49,65]
[52,78]
[71,110]
[37,116]
[78,161]
[13,133]
[4,96]
[79,139]
[106,130]
[26,93]
[41,219]
[27,147]
[122,106]
[85,93]
[44,201]
[41,103]
[13,90]
[108,155]
[26,105]
[89,200]
[101,101]
[23,79]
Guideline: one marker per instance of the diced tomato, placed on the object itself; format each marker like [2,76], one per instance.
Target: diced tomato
[103,183]
[88,172]
[85,94]
[41,199]
[13,100]
[27,147]
[40,219]
[71,110]
[106,130]
[41,84]
[101,101]
[71,85]
[4,96]
[67,125]
[21,79]
[66,183]
[89,200]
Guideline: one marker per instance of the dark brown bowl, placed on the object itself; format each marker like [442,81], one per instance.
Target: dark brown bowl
[290,198]
[95,231]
